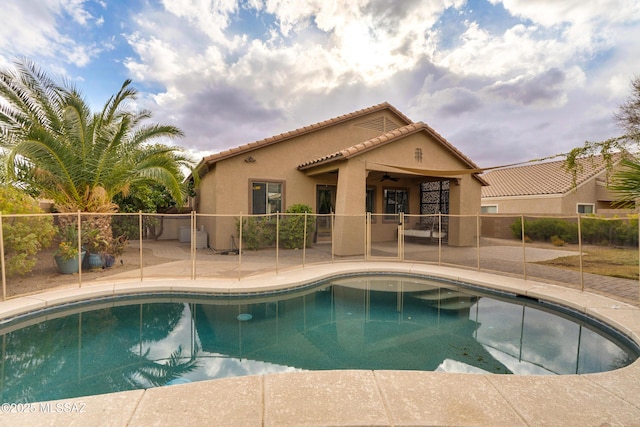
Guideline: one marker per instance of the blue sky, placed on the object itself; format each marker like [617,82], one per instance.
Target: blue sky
[502,80]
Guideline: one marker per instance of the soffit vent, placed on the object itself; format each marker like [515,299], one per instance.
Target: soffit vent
[380,124]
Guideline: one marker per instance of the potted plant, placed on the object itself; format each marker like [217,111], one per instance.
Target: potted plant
[114,249]
[97,246]
[66,256]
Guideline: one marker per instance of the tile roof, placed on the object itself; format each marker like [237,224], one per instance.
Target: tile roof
[385,139]
[301,131]
[540,178]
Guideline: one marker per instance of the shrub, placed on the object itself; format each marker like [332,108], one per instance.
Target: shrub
[260,232]
[23,236]
[292,227]
[257,232]
[595,230]
[544,228]
[600,231]
[127,226]
[556,241]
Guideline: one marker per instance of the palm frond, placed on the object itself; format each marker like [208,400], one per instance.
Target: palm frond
[60,149]
[626,183]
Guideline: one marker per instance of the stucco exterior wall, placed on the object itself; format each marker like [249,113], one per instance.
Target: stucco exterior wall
[226,188]
[350,205]
[464,199]
[278,162]
[530,204]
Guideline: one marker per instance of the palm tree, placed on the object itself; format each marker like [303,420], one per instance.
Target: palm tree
[626,183]
[58,149]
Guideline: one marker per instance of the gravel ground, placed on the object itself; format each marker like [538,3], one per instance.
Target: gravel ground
[45,275]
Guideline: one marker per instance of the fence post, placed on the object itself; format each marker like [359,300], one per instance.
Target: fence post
[478,237]
[524,248]
[367,232]
[4,276]
[304,240]
[332,234]
[580,255]
[277,240]
[440,237]
[140,243]
[240,246]
[80,257]
[401,237]
[194,251]
[367,237]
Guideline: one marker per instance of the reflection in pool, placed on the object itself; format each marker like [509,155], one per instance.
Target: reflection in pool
[359,322]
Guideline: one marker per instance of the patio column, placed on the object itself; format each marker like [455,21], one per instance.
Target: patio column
[464,203]
[349,226]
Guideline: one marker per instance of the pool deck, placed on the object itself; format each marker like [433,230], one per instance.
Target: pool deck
[356,398]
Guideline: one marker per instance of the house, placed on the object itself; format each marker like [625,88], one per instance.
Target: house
[373,160]
[548,189]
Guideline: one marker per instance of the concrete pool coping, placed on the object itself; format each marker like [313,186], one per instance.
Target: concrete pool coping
[348,398]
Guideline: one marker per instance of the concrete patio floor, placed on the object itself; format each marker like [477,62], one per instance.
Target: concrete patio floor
[354,398]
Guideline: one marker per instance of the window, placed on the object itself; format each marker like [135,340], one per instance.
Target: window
[395,201]
[489,209]
[586,208]
[266,197]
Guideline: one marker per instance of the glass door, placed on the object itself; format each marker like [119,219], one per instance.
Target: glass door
[325,206]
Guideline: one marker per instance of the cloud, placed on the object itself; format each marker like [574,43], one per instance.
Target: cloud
[544,88]
[34,29]
[321,59]
[539,75]
[76,10]
[552,12]
[215,110]
[315,50]
[208,16]
[456,101]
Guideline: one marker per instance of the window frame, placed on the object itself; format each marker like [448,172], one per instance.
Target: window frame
[488,206]
[266,182]
[591,205]
[393,217]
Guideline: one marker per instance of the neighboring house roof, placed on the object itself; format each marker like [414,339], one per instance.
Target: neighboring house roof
[541,178]
[386,138]
[301,131]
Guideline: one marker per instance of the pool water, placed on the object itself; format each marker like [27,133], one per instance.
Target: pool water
[360,322]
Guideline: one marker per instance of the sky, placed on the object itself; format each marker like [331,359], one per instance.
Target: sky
[503,80]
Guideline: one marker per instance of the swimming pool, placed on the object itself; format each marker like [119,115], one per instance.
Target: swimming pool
[353,322]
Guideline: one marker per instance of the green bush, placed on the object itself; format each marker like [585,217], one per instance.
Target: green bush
[260,232]
[545,228]
[292,227]
[23,236]
[600,231]
[257,232]
[594,230]
[127,226]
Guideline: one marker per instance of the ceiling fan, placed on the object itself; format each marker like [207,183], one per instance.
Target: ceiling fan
[387,177]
